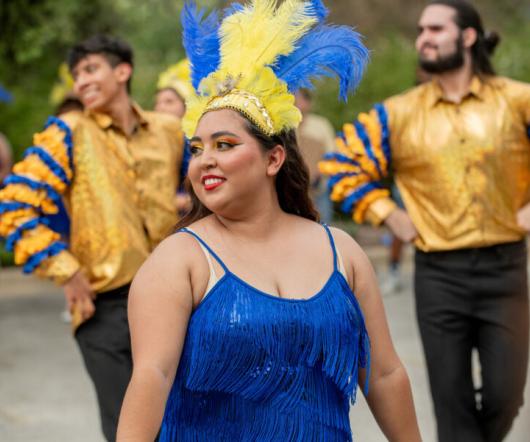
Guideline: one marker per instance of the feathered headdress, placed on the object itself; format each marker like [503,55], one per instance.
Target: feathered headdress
[63,87]
[260,54]
[178,78]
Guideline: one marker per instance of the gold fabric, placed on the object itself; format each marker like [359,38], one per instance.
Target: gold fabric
[463,169]
[121,200]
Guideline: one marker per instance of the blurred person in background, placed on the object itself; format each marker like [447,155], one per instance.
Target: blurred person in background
[173,89]
[116,167]
[6,157]
[393,279]
[316,137]
[459,149]
[6,153]
[63,98]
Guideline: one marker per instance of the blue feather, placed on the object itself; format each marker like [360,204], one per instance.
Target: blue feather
[233,8]
[319,9]
[327,51]
[200,37]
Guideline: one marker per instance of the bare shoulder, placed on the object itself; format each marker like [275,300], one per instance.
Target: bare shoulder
[169,267]
[356,262]
[348,247]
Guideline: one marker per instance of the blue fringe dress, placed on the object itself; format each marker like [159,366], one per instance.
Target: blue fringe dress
[258,368]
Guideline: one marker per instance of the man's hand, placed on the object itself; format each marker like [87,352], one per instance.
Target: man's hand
[523,218]
[79,296]
[401,225]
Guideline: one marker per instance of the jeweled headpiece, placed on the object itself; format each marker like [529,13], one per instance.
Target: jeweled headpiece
[260,54]
[178,78]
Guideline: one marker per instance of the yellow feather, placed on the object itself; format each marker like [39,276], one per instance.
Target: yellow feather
[260,33]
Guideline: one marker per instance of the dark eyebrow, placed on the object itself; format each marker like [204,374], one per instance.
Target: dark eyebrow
[222,134]
[192,139]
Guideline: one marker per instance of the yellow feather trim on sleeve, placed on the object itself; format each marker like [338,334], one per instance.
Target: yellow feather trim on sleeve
[362,206]
[24,194]
[52,141]
[34,241]
[9,221]
[33,168]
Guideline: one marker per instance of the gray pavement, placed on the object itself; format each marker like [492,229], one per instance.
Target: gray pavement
[46,396]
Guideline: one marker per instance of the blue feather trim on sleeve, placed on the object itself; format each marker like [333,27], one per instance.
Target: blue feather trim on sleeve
[35,185]
[49,161]
[9,206]
[357,195]
[68,140]
[363,136]
[385,131]
[34,261]
[17,234]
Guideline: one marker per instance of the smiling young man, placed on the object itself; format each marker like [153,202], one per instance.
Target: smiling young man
[116,168]
[459,149]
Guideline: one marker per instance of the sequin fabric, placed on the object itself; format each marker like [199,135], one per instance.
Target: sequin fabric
[463,169]
[119,193]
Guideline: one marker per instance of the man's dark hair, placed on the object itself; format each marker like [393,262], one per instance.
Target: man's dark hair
[468,17]
[116,51]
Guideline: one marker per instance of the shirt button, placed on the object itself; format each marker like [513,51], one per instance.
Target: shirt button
[131,174]
[462,140]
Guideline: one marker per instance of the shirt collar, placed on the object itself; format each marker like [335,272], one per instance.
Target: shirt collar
[104,120]
[435,93]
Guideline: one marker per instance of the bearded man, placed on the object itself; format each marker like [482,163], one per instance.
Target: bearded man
[459,149]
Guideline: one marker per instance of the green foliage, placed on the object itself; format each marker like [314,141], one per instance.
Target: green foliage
[6,258]
[35,36]
[391,70]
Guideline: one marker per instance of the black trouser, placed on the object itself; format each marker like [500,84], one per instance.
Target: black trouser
[466,299]
[105,344]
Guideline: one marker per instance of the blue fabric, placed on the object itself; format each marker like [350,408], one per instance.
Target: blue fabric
[258,368]
[363,136]
[68,140]
[35,185]
[33,262]
[186,157]
[356,196]
[47,159]
[60,221]
[8,206]
[17,234]
[385,132]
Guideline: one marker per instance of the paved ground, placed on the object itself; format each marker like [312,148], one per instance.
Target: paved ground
[45,395]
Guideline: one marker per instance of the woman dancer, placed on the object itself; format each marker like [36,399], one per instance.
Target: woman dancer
[245,325]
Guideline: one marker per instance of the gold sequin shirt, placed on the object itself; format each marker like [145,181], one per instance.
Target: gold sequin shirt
[118,194]
[463,169]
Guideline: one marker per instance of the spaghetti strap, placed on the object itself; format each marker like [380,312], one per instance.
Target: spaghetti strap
[333,248]
[207,247]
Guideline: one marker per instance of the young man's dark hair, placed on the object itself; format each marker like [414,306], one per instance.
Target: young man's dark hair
[468,17]
[115,50]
